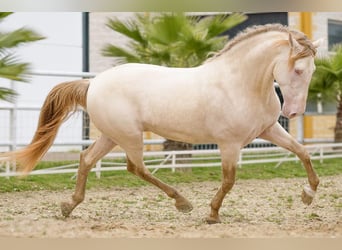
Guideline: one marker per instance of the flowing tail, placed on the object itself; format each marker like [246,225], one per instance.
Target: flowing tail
[63,99]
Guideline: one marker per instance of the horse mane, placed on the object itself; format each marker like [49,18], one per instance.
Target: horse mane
[249,32]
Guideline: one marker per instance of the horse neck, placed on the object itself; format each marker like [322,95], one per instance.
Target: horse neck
[254,60]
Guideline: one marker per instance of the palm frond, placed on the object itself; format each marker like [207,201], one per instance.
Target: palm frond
[11,68]
[171,39]
[166,28]
[129,28]
[14,38]
[7,94]
[327,79]
[4,14]
[326,69]
[123,55]
[218,24]
[218,42]
[338,73]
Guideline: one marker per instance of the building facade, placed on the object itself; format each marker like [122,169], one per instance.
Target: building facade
[69,43]
[315,25]
[318,125]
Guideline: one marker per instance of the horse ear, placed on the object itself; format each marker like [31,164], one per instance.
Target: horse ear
[318,42]
[294,45]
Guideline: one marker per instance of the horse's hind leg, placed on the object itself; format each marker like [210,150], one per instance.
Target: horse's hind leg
[88,158]
[135,165]
[280,137]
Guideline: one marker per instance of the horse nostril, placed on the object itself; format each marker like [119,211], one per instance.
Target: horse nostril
[292,115]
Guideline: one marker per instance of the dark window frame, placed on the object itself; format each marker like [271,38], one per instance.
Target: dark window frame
[334,32]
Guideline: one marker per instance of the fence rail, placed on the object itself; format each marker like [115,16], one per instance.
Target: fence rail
[198,158]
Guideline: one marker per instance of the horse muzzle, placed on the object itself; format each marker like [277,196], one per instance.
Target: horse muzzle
[291,111]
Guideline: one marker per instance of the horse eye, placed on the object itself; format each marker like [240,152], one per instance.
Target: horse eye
[299,71]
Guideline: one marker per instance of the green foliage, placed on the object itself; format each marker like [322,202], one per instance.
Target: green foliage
[170,39]
[327,79]
[7,94]
[4,14]
[10,66]
[17,37]
[12,69]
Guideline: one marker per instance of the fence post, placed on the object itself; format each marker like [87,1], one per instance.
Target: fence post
[8,169]
[173,161]
[300,129]
[321,154]
[13,124]
[98,169]
[240,159]
[13,121]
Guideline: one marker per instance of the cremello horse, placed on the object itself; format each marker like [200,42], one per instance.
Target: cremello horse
[229,100]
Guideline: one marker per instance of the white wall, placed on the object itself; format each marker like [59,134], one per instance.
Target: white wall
[60,51]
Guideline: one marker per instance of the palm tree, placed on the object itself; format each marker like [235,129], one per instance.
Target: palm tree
[10,67]
[327,84]
[169,39]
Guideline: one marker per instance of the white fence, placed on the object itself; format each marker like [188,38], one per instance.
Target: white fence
[18,122]
[197,158]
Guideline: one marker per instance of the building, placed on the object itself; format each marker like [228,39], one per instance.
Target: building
[315,25]
[74,42]
[318,123]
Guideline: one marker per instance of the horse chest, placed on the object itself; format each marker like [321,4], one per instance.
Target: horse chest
[242,125]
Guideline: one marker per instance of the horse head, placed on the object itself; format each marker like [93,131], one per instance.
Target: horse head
[293,73]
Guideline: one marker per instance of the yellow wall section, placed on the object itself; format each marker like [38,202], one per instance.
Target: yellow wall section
[306,23]
[322,126]
[308,130]
[306,28]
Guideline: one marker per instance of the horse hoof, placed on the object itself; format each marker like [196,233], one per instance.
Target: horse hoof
[184,207]
[66,209]
[306,199]
[211,220]
[307,195]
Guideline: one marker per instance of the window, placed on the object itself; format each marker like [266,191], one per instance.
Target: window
[334,33]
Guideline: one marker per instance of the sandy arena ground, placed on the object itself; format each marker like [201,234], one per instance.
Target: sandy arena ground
[254,208]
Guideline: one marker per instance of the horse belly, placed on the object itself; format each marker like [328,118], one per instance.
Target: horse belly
[183,121]
[175,133]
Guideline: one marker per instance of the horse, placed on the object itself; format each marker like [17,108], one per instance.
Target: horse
[228,100]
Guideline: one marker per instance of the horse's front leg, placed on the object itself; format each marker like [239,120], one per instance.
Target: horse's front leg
[278,135]
[229,158]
